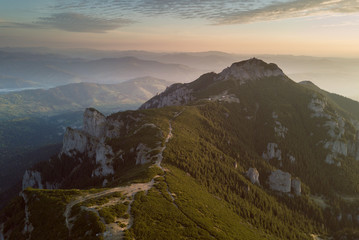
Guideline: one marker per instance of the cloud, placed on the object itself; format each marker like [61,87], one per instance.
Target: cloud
[215,11]
[72,22]
[298,8]
[76,22]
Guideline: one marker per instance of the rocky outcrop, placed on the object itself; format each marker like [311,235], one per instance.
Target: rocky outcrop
[280,181]
[32,179]
[104,156]
[141,156]
[272,152]
[94,123]
[251,70]
[253,175]
[74,141]
[28,227]
[176,94]
[337,145]
[296,187]
[317,105]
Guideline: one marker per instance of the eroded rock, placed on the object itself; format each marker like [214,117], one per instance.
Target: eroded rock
[32,179]
[296,187]
[280,181]
[253,175]
[94,123]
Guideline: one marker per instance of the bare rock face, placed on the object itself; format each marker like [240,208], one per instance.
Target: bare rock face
[272,152]
[253,175]
[104,156]
[280,181]
[176,94]
[250,70]
[296,187]
[32,179]
[94,123]
[74,140]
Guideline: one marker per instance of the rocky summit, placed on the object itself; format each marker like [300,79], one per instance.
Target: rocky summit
[243,154]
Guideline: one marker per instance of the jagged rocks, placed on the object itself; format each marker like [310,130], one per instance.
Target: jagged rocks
[253,175]
[272,152]
[32,179]
[296,187]
[104,156]
[94,123]
[280,181]
[141,157]
[176,94]
[74,140]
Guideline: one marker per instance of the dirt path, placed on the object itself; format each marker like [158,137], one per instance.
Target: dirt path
[113,230]
[126,190]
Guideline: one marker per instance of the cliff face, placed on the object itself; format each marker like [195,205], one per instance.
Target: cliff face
[177,94]
[89,141]
[92,148]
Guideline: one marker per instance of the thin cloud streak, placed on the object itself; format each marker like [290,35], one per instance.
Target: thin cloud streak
[72,22]
[215,11]
[75,22]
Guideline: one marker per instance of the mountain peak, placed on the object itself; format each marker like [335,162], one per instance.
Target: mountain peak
[251,69]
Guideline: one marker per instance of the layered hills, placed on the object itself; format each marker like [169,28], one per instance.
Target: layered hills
[77,96]
[32,122]
[243,154]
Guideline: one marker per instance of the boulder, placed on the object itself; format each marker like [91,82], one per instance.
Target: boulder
[253,175]
[280,181]
[296,187]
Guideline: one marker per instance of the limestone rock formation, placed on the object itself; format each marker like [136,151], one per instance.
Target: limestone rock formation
[32,179]
[250,70]
[176,94]
[280,181]
[272,152]
[296,187]
[74,140]
[253,175]
[94,123]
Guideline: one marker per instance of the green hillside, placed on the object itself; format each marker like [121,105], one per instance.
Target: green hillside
[177,168]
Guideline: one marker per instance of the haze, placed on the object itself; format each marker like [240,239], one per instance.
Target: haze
[324,28]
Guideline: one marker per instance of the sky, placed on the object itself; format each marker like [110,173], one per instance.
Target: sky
[298,27]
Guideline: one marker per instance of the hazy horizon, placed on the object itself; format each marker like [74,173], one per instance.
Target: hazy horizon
[310,28]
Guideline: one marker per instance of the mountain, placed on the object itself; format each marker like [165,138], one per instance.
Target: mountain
[52,67]
[33,122]
[77,96]
[23,69]
[243,154]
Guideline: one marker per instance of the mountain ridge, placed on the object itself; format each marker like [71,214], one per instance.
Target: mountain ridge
[208,135]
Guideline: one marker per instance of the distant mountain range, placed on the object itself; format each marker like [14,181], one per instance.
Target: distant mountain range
[44,67]
[77,96]
[36,119]
[243,154]
[20,70]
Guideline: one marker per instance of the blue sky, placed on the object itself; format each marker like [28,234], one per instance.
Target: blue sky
[302,27]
